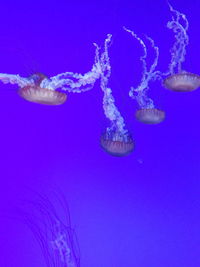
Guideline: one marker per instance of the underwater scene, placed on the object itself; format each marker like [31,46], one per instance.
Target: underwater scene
[100,142]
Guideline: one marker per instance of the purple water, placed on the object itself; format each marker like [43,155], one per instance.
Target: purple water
[141,210]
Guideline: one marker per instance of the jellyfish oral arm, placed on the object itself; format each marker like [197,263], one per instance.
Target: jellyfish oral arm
[74,82]
[112,112]
[142,99]
[60,244]
[140,93]
[15,79]
[67,81]
[178,50]
[71,82]
[110,109]
[144,56]
[54,234]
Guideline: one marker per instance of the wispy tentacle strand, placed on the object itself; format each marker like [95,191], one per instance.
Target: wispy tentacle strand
[73,82]
[178,50]
[110,109]
[140,93]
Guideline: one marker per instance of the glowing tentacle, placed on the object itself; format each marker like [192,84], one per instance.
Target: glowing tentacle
[55,237]
[140,93]
[60,243]
[178,50]
[110,109]
[73,82]
[16,79]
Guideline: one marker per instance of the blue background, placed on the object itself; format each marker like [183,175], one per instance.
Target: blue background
[140,210]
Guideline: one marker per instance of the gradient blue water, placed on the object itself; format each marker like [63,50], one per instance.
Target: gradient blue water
[141,210]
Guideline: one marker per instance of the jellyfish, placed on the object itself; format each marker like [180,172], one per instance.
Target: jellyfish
[54,234]
[35,93]
[178,79]
[147,113]
[116,140]
[38,88]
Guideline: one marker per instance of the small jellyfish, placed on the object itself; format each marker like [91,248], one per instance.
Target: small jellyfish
[150,115]
[38,88]
[147,113]
[116,140]
[179,80]
[53,233]
[117,144]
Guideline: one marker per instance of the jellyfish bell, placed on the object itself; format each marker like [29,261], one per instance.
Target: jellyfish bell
[182,82]
[117,144]
[150,115]
[43,96]
[35,93]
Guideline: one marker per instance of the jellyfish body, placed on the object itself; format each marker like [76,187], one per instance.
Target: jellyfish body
[116,140]
[43,96]
[150,116]
[30,89]
[147,113]
[38,88]
[179,80]
[116,144]
[54,234]
[35,93]
[182,82]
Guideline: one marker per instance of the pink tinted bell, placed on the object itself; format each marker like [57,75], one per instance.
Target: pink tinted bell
[116,145]
[43,96]
[35,93]
[150,116]
[182,82]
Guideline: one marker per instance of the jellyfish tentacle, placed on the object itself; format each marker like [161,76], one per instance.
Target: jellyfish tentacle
[143,57]
[140,93]
[74,82]
[15,79]
[178,51]
[110,109]
[152,73]
[55,236]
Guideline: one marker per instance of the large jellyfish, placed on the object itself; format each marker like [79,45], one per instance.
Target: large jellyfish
[147,113]
[116,140]
[40,89]
[54,235]
[178,79]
